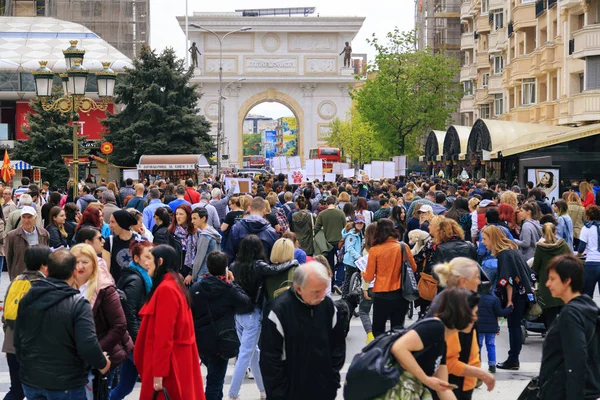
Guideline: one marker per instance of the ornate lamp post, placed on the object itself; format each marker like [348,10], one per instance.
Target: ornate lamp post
[74,101]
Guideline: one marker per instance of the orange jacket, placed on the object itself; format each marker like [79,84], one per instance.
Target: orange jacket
[457,367]
[384,262]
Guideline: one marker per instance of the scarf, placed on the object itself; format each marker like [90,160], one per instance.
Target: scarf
[145,276]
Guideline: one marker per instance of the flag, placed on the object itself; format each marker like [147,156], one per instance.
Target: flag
[7,171]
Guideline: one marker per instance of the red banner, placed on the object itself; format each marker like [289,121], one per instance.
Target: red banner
[90,123]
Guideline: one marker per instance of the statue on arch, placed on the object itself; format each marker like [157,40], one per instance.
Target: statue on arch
[347,52]
[195,53]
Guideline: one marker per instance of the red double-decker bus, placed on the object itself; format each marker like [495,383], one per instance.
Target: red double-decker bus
[253,162]
[329,155]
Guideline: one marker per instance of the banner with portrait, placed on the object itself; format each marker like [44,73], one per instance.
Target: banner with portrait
[547,179]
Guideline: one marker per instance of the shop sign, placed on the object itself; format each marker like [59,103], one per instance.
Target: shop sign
[166,166]
[106,148]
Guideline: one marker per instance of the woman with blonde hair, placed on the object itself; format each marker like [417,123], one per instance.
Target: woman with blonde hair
[282,266]
[343,198]
[514,286]
[587,194]
[547,248]
[448,238]
[473,204]
[577,213]
[98,287]
[510,198]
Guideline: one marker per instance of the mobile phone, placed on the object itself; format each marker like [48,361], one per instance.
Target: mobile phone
[453,386]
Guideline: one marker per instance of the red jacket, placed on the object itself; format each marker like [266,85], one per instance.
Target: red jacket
[589,200]
[166,345]
[191,195]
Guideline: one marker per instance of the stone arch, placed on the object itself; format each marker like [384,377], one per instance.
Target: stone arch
[272,95]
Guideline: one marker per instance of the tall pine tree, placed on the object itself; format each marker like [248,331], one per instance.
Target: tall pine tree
[161,113]
[50,136]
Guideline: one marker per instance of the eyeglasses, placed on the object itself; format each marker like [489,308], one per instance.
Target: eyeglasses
[43,192]
[101,238]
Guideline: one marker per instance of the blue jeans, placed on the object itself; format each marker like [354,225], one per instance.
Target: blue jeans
[217,368]
[32,393]
[591,277]
[490,346]
[127,379]
[248,330]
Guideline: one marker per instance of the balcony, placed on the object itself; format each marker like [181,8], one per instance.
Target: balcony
[483,24]
[586,42]
[506,81]
[547,59]
[483,59]
[536,60]
[496,4]
[524,16]
[520,67]
[466,104]
[495,84]
[585,106]
[520,114]
[467,41]
[466,10]
[497,40]
[481,96]
[468,72]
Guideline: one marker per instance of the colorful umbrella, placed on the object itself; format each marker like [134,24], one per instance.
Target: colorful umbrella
[7,171]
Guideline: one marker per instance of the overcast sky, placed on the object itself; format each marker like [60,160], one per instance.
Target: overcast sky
[381,17]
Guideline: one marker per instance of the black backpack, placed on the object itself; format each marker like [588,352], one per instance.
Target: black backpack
[375,370]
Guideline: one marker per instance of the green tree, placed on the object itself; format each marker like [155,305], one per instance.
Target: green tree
[408,92]
[50,137]
[161,115]
[252,144]
[356,139]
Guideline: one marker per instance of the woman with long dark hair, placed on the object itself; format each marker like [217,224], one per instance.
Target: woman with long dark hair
[399,218]
[160,230]
[56,228]
[362,208]
[248,268]
[182,228]
[460,213]
[385,261]
[165,353]
[71,222]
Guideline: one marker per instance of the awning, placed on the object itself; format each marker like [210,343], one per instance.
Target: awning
[534,141]
[433,144]
[19,165]
[173,162]
[455,142]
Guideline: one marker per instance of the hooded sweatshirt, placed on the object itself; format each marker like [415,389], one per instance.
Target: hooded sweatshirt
[251,225]
[55,337]
[85,200]
[570,354]
[208,240]
[531,232]
[544,252]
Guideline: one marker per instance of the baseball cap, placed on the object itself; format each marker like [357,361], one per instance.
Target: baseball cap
[359,219]
[28,210]
[426,208]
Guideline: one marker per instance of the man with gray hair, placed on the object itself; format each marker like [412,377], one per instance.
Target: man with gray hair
[13,220]
[110,204]
[213,215]
[220,203]
[153,203]
[302,343]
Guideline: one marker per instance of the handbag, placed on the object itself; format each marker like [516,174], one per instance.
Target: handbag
[155,395]
[100,386]
[427,286]
[410,289]
[531,391]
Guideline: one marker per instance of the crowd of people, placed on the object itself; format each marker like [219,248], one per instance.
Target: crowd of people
[152,280]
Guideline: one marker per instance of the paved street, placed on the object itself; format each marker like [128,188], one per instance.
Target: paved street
[508,386]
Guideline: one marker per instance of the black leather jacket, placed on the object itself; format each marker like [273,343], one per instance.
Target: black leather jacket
[132,284]
[55,337]
[446,251]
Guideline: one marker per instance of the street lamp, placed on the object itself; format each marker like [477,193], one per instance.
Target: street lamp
[74,101]
[220,114]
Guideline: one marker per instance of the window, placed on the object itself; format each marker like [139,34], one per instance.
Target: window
[592,71]
[528,95]
[485,79]
[468,88]
[498,65]
[498,20]
[485,6]
[484,111]
[581,83]
[498,105]
[9,82]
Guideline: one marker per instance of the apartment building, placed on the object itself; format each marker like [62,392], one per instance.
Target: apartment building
[530,61]
[125,24]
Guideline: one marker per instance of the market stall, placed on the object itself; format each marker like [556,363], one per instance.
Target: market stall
[176,167]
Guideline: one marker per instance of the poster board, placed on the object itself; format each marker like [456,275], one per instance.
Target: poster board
[349,173]
[376,170]
[314,169]
[296,177]
[547,179]
[368,170]
[280,165]
[243,185]
[329,177]
[399,165]
[389,169]
[337,168]
[294,163]
[132,174]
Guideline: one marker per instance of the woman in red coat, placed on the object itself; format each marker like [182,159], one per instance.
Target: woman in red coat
[165,350]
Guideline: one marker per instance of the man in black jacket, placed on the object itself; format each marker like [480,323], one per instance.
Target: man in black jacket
[55,337]
[215,301]
[302,341]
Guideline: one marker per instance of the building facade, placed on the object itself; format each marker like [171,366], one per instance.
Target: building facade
[125,24]
[531,61]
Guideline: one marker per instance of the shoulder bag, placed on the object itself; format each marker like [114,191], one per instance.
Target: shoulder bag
[410,289]
[164,391]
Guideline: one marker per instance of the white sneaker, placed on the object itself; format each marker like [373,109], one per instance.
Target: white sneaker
[263,396]
[249,374]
